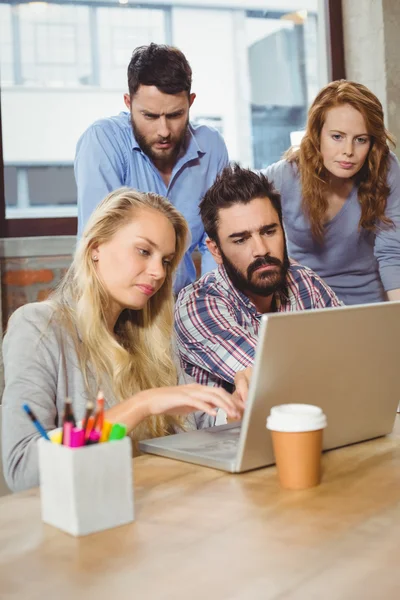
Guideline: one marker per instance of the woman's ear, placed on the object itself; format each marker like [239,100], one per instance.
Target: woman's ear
[95,252]
[213,248]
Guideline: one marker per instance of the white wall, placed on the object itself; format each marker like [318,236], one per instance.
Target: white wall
[364,45]
[371,40]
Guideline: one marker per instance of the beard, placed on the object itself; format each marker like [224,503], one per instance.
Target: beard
[161,157]
[261,284]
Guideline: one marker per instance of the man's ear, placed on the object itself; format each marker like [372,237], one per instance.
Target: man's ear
[127,100]
[191,99]
[213,248]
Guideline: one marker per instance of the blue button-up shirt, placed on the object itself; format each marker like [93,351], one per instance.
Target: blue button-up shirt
[108,157]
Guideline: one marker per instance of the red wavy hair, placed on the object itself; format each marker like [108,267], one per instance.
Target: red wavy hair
[373,188]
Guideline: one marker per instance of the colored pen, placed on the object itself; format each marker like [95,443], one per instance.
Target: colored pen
[99,417]
[67,432]
[94,438]
[118,431]
[56,437]
[68,416]
[89,410]
[77,437]
[36,423]
[105,432]
[89,427]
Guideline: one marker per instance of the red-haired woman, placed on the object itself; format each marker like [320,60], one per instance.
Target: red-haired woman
[341,196]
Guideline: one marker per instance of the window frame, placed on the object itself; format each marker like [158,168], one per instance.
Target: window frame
[57,226]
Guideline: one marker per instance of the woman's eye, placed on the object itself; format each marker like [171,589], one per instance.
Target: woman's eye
[143,252]
[362,140]
[167,263]
[336,136]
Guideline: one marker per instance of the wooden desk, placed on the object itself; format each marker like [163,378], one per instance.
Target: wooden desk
[202,533]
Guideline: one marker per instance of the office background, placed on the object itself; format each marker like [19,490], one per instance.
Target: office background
[257,66]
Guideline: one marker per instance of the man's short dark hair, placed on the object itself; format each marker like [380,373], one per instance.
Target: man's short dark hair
[235,185]
[165,67]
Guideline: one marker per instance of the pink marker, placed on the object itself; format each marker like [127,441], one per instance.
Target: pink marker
[94,437]
[77,437]
[67,430]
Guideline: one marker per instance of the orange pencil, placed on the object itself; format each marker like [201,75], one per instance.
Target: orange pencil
[89,410]
[89,427]
[99,417]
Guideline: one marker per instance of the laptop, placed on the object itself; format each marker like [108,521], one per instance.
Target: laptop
[345,360]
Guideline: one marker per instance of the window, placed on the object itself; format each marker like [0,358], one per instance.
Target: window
[119,32]
[63,65]
[53,44]
[47,191]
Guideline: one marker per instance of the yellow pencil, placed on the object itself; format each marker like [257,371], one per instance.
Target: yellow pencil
[105,431]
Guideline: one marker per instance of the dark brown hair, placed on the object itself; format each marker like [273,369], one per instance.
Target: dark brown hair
[163,66]
[373,188]
[235,185]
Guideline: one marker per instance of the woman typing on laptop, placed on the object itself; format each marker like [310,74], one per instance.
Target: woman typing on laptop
[108,326]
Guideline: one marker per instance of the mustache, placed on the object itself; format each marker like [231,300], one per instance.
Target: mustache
[263,261]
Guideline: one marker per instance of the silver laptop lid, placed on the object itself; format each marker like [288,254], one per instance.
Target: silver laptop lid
[345,360]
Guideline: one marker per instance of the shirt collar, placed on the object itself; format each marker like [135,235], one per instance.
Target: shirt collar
[192,149]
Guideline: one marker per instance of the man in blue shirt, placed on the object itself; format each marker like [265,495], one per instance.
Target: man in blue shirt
[154,148]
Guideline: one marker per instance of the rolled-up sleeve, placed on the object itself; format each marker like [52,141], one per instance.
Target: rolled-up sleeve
[210,339]
[387,241]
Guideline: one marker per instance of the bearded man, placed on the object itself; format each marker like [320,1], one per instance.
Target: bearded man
[154,148]
[217,318]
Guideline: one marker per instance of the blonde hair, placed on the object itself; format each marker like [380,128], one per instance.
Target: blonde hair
[139,357]
[373,189]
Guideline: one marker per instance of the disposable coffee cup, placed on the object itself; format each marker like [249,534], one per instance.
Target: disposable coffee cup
[297,431]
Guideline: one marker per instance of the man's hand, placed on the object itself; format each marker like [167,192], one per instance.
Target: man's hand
[242,383]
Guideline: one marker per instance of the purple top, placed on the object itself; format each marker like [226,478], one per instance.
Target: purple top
[358,265]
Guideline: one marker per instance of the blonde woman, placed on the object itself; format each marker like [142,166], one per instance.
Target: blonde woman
[340,196]
[108,326]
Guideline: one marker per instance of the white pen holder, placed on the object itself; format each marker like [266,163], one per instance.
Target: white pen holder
[88,489]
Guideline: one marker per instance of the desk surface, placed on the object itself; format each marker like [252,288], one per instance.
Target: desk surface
[201,533]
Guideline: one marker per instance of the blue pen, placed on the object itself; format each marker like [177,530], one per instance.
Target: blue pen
[36,423]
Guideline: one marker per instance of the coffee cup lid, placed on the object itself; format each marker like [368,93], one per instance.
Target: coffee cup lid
[296,418]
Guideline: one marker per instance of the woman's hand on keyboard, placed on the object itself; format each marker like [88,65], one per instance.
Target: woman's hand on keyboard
[184,399]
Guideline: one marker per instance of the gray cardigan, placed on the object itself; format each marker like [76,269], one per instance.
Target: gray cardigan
[41,368]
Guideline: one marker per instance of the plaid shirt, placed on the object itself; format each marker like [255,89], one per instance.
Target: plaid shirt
[217,326]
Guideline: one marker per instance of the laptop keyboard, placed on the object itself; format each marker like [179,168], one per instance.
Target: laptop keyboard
[217,448]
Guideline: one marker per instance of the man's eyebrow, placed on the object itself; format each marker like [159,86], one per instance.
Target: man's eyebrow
[239,234]
[148,113]
[175,112]
[269,226]
[248,232]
